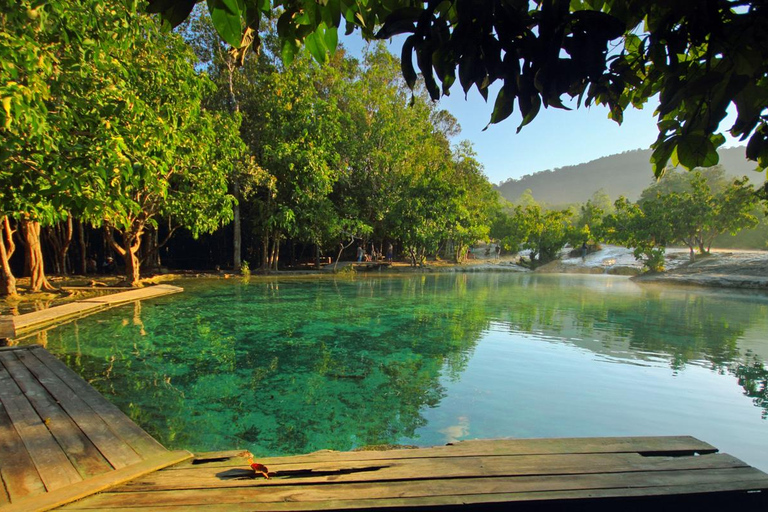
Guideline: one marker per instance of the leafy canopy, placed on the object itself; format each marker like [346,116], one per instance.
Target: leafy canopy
[698,57]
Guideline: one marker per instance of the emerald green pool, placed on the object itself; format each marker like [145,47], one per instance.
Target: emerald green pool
[292,366]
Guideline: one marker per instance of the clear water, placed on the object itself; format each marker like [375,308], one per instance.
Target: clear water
[292,366]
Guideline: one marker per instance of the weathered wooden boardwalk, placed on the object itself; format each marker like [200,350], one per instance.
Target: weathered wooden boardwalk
[60,439]
[63,445]
[13,326]
[535,474]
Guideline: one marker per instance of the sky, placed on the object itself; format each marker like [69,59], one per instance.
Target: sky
[556,138]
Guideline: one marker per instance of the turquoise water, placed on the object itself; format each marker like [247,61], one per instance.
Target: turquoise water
[292,366]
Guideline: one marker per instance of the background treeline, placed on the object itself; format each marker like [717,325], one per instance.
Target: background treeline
[116,134]
[698,210]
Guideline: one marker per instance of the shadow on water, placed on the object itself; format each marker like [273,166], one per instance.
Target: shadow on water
[297,366]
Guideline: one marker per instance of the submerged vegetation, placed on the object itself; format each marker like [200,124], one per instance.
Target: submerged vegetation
[373,361]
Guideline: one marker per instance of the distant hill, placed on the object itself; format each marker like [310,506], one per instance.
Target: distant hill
[627,174]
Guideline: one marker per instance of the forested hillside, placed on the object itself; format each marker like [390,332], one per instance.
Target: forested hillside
[626,174]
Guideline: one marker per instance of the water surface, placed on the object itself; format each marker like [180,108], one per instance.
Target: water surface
[292,366]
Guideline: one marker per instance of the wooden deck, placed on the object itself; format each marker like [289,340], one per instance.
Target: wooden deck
[536,474]
[14,326]
[60,439]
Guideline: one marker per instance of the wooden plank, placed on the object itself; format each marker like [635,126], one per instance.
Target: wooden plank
[7,327]
[44,317]
[14,347]
[133,295]
[560,500]
[96,484]
[420,469]
[108,443]
[119,423]
[672,445]
[425,489]
[51,462]
[81,452]
[17,469]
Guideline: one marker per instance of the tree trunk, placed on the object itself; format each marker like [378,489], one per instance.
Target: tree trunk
[237,237]
[275,253]
[83,248]
[60,236]
[151,251]
[129,251]
[317,255]
[132,265]
[265,252]
[7,247]
[34,256]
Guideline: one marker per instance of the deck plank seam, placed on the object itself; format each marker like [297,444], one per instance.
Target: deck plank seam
[672,453]
[96,413]
[4,487]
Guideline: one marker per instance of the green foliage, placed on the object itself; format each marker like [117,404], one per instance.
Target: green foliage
[692,208]
[698,59]
[108,123]
[588,223]
[646,227]
[542,232]
[703,205]
[396,179]
[245,269]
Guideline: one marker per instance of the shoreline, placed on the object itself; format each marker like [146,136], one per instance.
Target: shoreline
[732,269]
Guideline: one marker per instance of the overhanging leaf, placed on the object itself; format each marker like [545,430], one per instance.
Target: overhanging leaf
[406,63]
[225,15]
[696,150]
[504,106]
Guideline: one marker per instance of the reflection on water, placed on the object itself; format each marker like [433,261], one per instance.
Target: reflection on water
[292,366]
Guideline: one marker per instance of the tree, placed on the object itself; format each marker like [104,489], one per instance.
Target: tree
[703,205]
[588,222]
[646,227]
[698,57]
[548,234]
[543,232]
[473,204]
[510,227]
[30,189]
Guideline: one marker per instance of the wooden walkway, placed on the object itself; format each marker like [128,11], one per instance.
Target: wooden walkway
[13,326]
[536,474]
[60,440]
